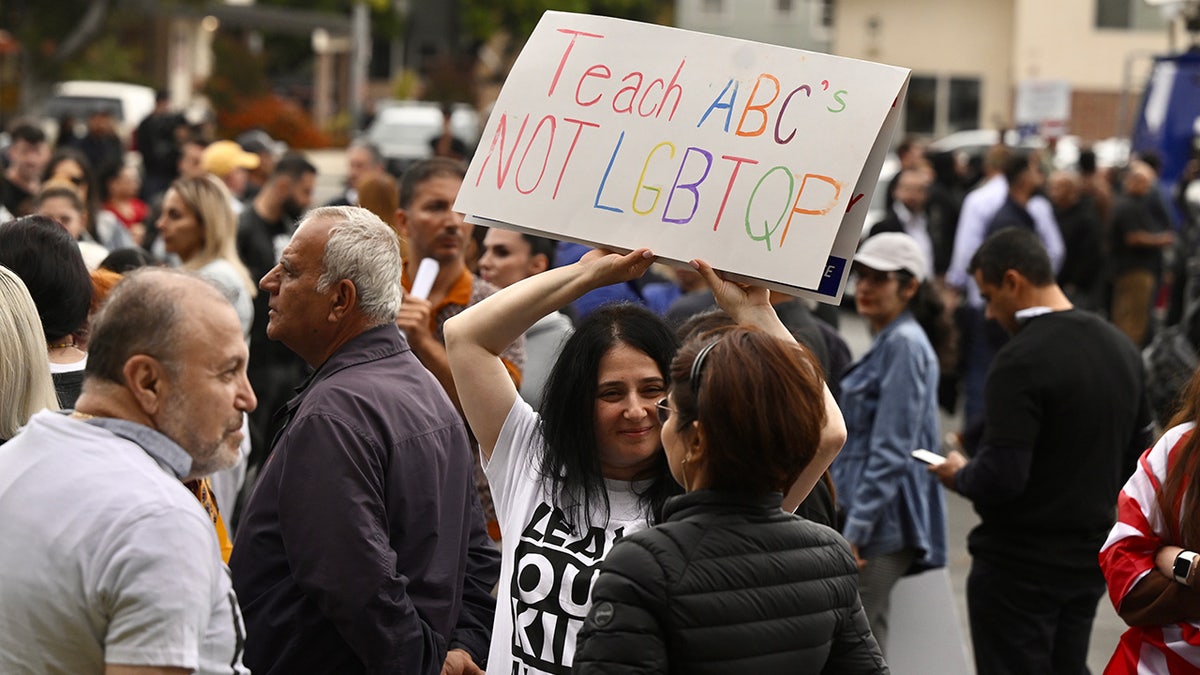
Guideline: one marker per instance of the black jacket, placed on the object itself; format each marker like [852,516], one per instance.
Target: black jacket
[728,584]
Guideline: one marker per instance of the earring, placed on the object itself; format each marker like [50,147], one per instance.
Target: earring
[683,469]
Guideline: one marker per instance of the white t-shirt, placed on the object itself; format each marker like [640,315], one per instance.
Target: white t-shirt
[547,572]
[107,558]
[222,273]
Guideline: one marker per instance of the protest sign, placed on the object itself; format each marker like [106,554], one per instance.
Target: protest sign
[757,158]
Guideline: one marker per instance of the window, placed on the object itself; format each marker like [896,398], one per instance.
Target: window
[938,105]
[920,110]
[783,6]
[963,110]
[820,18]
[1128,15]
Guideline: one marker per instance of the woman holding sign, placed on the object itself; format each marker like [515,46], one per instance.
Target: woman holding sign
[895,510]
[728,583]
[585,470]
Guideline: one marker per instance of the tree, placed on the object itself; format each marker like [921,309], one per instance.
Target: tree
[50,39]
[81,39]
[483,18]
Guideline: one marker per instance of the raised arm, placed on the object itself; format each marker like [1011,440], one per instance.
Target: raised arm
[751,306]
[476,337]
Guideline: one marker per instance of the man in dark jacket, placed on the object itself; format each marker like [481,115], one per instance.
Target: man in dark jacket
[1025,178]
[907,213]
[1079,221]
[1065,420]
[264,228]
[362,548]
[1140,232]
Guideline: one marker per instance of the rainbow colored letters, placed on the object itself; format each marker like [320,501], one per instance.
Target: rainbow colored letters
[754,157]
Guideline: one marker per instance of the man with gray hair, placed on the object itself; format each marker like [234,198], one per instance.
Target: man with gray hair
[363,160]
[110,564]
[362,548]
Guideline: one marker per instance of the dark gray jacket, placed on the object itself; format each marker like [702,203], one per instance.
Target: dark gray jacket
[728,584]
[363,548]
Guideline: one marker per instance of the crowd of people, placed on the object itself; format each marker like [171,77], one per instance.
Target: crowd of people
[244,432]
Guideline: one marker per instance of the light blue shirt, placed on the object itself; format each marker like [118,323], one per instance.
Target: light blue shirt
[978,209]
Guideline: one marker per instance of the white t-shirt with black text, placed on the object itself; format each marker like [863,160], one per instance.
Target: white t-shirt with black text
[547,571]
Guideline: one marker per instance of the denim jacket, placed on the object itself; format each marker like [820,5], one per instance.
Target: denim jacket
[889,401]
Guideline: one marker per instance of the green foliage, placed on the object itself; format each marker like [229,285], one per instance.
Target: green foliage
[482,18]
[405,85]
[448,81]
[41,32]
[338,6]
[288,57]
[110,58]
[237,73]
[82,39]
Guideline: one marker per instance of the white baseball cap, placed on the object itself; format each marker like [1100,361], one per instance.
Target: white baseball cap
[892,252]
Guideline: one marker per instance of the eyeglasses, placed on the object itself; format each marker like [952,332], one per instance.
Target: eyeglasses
[664,411]
[872,276]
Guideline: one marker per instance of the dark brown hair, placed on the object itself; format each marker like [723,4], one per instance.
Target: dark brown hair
[760,401]
[1182,486]
[426,170]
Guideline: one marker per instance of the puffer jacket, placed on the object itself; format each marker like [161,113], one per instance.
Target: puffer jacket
[728,584]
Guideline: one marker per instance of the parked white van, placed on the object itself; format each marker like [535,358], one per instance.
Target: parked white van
[403,129]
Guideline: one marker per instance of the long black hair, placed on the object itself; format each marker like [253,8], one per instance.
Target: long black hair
[571,462]
[929,310]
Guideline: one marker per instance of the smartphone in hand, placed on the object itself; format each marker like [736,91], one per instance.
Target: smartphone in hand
[928,457]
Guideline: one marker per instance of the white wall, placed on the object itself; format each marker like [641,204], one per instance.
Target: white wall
[970,38]
[758,20]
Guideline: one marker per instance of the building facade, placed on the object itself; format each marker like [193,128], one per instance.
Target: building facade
[803,24]
[968,56]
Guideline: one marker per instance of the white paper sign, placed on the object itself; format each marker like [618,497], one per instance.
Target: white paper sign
[1043,107]
[750,156]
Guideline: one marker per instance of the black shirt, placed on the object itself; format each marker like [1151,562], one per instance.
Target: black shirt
[259,243]
[14,198]
[1137,214]
[1011,214]
[1066,417]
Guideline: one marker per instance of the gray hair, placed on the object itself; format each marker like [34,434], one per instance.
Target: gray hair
[372,149]
[364,250]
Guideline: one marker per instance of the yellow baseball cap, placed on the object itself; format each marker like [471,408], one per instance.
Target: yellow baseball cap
[222,157]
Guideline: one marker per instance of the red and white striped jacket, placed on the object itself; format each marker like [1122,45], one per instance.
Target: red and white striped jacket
[1128,555]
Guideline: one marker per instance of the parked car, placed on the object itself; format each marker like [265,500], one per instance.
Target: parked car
[975,142]
[403,129]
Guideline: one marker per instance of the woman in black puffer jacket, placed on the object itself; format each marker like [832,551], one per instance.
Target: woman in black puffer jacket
[728,583]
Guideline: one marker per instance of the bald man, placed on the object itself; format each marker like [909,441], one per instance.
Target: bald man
[1079,221]
[1140,232]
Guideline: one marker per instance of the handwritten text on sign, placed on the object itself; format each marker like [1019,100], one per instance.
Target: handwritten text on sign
[631,135]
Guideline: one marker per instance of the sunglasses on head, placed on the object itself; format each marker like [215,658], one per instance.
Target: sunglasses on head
[663,410]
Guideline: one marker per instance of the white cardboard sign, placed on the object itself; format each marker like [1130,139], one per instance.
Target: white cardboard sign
[757,158]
